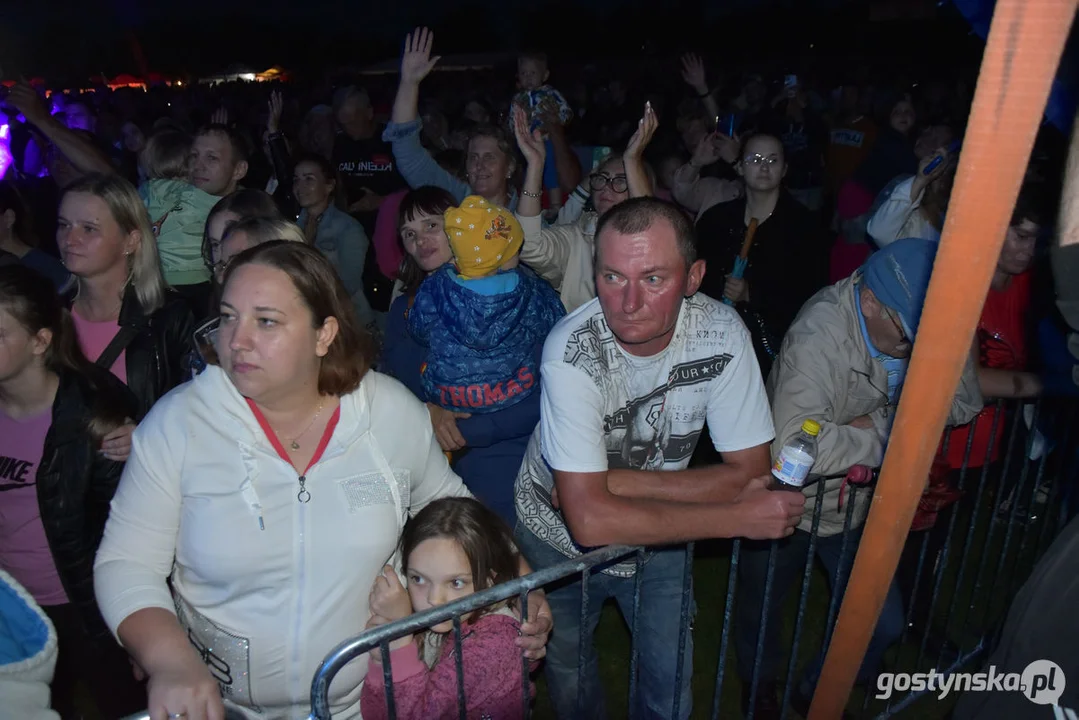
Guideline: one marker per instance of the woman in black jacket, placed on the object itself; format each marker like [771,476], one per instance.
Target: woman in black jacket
[127,319]
[56,484]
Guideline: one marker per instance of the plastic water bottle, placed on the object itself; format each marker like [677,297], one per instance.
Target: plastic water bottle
[795,460]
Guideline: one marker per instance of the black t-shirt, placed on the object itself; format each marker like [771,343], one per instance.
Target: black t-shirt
[366,164]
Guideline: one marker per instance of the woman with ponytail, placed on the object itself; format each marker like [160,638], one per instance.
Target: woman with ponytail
[56,483]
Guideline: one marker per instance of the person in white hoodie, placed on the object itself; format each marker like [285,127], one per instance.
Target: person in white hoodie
[272,488]
[27,654]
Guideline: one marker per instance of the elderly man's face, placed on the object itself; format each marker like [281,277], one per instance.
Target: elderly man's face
[641,280]
[884,327]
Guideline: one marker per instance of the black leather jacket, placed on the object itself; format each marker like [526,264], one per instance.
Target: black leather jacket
[75,485]
[157,355]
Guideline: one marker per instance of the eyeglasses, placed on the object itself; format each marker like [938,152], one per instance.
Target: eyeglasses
[757,159]
[903,339]
[618,183]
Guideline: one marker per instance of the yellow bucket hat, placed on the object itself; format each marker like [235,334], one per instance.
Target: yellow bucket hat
[482,236]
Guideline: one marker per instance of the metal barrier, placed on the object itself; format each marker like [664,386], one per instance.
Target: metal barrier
[967,594]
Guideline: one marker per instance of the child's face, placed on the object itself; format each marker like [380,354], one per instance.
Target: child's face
[438,573]
[531,74]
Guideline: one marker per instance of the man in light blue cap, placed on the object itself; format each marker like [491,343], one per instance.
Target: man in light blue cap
[842,364]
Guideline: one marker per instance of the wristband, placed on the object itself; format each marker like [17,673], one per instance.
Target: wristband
[531,195]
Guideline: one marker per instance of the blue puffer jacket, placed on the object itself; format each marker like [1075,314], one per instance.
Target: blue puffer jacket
[482,348]
[27,654]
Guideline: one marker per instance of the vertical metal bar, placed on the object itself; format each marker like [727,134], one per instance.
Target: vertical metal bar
[1062,466]
[1017,495]
[988,542]
[526,684]
[942,557]
[635,627]
[833,605]
[462,707]
[773,548]
[387,680]
[582,639]
[683,628]
[725,633]
[968,543]
[807,575]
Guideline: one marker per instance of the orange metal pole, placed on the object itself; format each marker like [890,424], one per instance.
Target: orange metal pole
[1021,56]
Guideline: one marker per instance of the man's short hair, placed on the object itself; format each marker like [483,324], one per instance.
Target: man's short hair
[350,92]
[240,149]
[639,214]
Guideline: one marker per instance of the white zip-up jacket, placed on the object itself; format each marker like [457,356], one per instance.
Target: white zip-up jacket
[266,585]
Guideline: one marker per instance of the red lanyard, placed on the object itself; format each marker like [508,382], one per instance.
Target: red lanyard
[303,495]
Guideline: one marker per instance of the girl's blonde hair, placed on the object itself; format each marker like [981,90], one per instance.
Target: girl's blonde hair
[166,155]
[129,212]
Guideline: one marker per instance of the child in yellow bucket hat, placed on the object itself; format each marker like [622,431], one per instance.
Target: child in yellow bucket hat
[483,318]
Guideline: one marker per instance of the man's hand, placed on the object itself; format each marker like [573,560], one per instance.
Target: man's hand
[416,62]
[445,425]
[862,422]
[29,103]
[736,289]
[533,639]
[693,73]
[370,202]
[646,128]
[765,514]
[389,599]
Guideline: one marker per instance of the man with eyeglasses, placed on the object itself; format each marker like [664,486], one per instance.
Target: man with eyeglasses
[842,364]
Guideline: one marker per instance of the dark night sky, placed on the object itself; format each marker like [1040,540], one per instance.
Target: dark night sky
[75,38]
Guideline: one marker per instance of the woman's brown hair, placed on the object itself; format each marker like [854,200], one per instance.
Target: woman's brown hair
[33,303]
[484,538]
[424,201]
[351,353]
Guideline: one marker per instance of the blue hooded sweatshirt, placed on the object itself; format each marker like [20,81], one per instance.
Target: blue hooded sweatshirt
[482,347]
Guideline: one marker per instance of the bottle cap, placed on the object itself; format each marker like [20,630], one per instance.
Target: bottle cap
[811,427]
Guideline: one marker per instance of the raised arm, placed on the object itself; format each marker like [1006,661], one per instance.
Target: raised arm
[416,64]
[535,153]
[698,194]
[694,75]
[636,177]
[82,153]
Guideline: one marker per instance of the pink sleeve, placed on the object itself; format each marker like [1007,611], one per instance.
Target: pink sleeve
[388,253]
[492,673]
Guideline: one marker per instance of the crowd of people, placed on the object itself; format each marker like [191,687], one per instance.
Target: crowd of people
[276,367]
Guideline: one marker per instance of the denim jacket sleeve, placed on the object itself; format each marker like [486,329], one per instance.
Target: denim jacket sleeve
[415,163]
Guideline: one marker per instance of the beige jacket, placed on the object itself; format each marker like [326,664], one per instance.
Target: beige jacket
[824,372]
[697,194]
[562,255]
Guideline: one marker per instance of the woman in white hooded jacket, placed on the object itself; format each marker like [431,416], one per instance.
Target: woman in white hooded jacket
[273,489]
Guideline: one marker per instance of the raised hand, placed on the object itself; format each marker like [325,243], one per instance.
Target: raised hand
[416,61]
[693,73]
[220,117]
[646,128]
[29,103]
[531,143]
[276,105]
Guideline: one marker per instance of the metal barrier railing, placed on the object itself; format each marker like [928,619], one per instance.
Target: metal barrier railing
[967,593]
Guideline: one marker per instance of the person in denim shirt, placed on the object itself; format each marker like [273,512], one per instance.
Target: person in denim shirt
[490,162]
[339,236]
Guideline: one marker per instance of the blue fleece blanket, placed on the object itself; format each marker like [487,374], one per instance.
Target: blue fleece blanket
[481,355]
